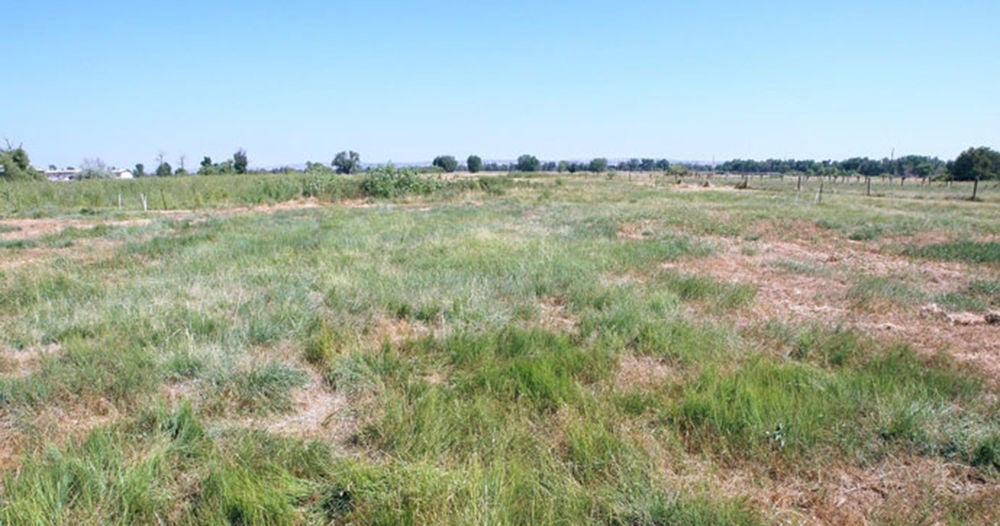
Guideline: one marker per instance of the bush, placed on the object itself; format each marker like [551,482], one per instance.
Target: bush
[391,182]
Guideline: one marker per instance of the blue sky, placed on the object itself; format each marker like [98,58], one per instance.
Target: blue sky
[405,81]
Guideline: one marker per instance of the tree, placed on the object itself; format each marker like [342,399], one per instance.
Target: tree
[240,161]
[975,164]
[206,167]
[15,165]
[140,170]
[446,163]
[164,169]
[474,163]
[94,169]
[347,162]
[599,165]
[528,163]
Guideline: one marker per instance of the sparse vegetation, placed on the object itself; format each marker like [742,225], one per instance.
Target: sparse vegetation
[971,251]
[506,350]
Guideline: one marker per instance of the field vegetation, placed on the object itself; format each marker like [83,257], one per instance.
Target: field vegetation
[582,348]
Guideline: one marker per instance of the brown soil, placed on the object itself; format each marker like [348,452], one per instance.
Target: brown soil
[95,249]
[317,412]
[19,364]
[36,228]
[59,424]
[896,490]
[643,372]
[820,295]
[555,316]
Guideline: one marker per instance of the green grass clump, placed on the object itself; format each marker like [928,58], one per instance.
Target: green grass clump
[891,401]
[962,301]
[867,291]
[717,295]
[970,251]
[866,232]
[983,294]
[321,345]
[163,466]
[86,370]
[16,244]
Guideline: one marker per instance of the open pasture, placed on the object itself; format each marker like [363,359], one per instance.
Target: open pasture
[534,350]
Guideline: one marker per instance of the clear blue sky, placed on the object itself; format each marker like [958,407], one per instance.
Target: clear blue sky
[405,81]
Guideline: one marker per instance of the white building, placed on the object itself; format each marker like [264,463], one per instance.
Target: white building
[62,175]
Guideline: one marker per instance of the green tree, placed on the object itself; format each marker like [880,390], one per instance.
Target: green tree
[164,169]
[598,165]
[347,162]
[474,163]
[207,167]
[528,163]
[15,165]
[140,170]
[240,161]
[446,163]
[975,164]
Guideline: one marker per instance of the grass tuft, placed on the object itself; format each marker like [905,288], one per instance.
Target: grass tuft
[969,251]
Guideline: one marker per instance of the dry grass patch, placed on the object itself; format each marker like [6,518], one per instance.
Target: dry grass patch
[838,293]
[554,315]
[21,429]
[642,372]
[635,231]
[907,490]
[22,363]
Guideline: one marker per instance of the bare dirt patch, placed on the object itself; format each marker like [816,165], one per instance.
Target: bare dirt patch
[702,186]
[395,330]
[36,228]
[94,249]
[642,372]
[20,431]
[317,412]
[806,277]
[555,315]
[22,363]
[83,251]
[635,231]
[896,490]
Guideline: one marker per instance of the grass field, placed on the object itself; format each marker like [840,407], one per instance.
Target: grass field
[535,350]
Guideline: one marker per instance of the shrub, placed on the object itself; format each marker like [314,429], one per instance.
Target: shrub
[392,182]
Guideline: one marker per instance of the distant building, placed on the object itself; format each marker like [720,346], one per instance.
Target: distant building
[71,174]
[62,175]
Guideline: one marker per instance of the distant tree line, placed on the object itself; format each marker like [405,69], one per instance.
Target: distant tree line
[973,164]
[908,166]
